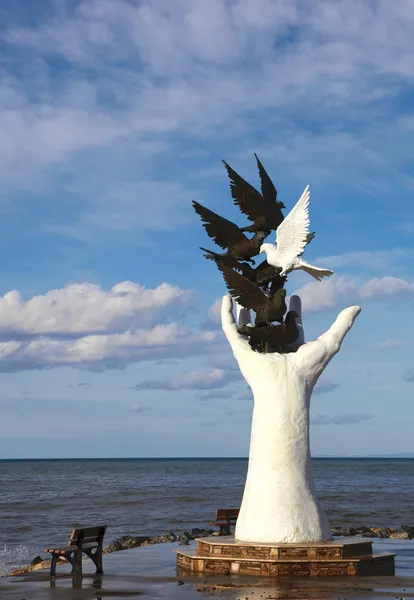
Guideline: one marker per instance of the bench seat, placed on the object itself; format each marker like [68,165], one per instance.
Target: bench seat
[66,549]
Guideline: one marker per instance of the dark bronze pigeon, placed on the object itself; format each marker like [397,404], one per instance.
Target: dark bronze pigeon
[228,236]
[268,308]
[276,338]
[262,208]
[261,275]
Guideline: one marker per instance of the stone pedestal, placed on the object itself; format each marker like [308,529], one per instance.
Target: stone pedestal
[223,555]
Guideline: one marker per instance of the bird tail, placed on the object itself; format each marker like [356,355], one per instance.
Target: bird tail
[316,272]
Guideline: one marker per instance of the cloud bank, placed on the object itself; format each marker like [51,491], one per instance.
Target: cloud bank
[191,380]
[336,290]
[82,324]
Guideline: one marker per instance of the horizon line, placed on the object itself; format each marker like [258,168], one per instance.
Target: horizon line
[396,456]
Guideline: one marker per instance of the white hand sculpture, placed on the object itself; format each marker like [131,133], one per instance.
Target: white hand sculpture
[280,503]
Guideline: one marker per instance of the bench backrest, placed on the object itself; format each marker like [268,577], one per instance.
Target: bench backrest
[87,535]
[227,514]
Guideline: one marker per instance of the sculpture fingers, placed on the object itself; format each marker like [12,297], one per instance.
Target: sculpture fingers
[295,305]
[243,317]
[228,323]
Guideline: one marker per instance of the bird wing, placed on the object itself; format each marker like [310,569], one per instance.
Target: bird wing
[292,233]
[245,196]
[269,192]
[245,292]
[223,232]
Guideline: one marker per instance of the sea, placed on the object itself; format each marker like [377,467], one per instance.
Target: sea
[42,500]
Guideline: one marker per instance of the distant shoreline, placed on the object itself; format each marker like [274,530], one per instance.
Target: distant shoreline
[408,456]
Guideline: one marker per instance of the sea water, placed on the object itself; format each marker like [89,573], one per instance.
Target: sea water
[42,500]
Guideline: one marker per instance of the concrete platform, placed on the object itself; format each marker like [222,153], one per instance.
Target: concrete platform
[343,557]
[150,573]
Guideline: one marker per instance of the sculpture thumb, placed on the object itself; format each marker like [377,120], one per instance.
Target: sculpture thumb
[335,335]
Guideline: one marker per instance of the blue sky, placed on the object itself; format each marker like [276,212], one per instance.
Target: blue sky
[114,115]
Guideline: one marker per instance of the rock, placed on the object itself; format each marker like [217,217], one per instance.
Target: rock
[126,542]
[36,560]
[162,539]
[399,535]
[348,531]
[409,530]
[365,532]
[199,533]
[336,530]
[185,537]
[378,532]
[113,547]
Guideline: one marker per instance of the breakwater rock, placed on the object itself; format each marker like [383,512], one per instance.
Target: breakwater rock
[127,542]
[131,541]
[404,532]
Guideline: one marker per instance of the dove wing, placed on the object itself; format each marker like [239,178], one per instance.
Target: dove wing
[245,196]
[292,233]
[245,292]
[223,232]
[268,189]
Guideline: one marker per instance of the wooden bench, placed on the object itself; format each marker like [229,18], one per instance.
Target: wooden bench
[225,518]
[86,539]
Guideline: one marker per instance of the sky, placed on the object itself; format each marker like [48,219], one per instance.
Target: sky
[114,115]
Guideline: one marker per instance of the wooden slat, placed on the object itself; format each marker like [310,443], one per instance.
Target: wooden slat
[222,514]
[90,534]
[72,548]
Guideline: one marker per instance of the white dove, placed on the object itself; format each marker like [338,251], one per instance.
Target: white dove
[291,241]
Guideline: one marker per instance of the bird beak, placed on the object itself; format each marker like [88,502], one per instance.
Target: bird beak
[261,249]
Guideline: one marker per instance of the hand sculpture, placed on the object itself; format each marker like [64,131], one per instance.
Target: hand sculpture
[280,503]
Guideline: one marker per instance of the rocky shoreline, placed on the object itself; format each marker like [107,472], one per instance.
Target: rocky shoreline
[127,542]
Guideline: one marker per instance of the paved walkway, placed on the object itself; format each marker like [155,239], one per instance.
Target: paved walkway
[149,573]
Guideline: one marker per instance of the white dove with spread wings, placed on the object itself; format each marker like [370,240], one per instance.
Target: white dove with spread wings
[291,239]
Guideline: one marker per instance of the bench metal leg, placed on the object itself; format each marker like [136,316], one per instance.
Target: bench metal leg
[96,556]
[53,565]
[225,529]
[76,562]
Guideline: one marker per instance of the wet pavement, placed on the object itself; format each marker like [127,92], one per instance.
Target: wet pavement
[149,573]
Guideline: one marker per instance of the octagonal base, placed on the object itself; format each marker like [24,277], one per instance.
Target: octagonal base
[225,555]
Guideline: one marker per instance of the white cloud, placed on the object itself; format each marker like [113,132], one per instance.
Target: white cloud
[342,419]
[369,260]
[213,320]
[101,352]
[408,375]
[325,386]
[83,325]
[85,308]
[218,394]
[336,290]
[326,294]
[138,408]
[140,72]
[386,286]
[191,380]
[388,345]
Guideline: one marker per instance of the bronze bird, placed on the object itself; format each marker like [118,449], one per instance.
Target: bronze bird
[228,235]
[261,275]
[276,338]
[262,208]
[268,308]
